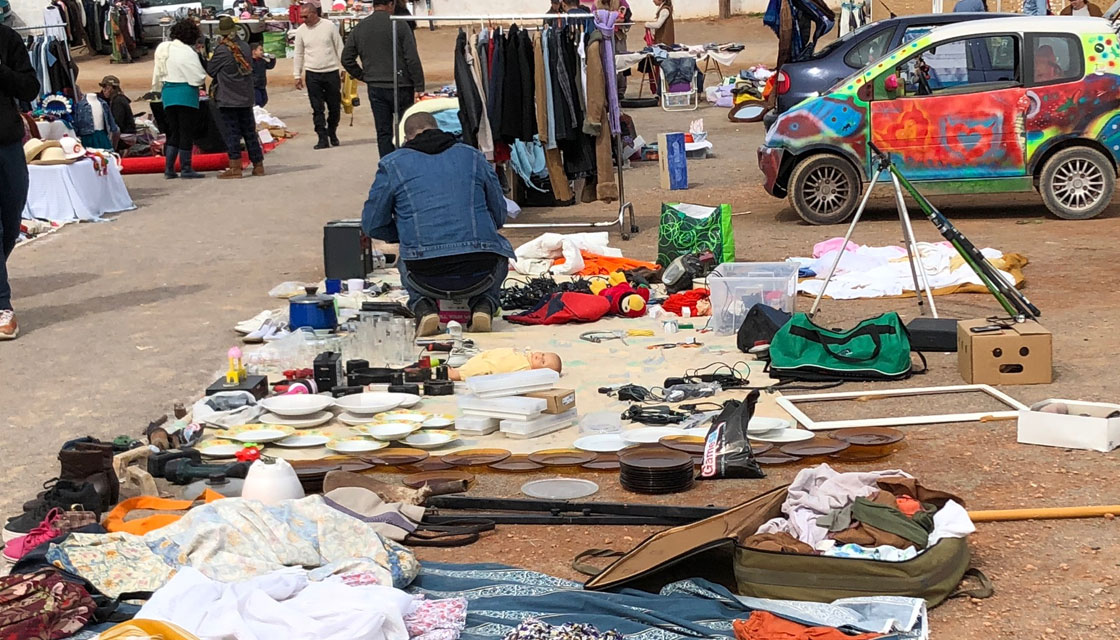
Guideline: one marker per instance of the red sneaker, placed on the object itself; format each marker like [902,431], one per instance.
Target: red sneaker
[21,546]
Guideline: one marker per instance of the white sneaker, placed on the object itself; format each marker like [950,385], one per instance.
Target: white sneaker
[260,333]
[9,328]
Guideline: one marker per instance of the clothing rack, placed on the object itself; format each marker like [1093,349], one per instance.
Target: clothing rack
[625,227]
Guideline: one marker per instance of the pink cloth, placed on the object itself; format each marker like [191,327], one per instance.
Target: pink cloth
[832,244]
[437,619]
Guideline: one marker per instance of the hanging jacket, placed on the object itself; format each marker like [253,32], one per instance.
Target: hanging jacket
[470,102]
[17,82]
[235,83]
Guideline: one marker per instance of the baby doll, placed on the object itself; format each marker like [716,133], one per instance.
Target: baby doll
[506,361]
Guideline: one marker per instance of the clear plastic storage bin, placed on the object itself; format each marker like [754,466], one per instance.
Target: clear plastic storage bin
[738,286]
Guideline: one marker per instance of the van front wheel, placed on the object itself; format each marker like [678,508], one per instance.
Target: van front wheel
[1077,183]
[824,189]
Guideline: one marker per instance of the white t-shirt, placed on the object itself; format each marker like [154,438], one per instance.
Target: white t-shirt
[1083,11]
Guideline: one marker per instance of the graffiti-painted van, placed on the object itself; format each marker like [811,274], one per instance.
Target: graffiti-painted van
[992,106]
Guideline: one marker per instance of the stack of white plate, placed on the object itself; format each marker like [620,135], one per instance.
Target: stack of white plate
[778,430]
[359,408]
[297,408]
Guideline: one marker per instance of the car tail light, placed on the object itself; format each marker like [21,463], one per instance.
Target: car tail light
[781,82]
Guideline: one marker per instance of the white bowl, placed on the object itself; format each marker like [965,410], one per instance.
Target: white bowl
[650,435]
[368,403]
[391,430]
[437,422]
[407,400]
[297,404]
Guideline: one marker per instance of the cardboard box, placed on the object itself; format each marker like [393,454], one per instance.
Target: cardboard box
[673,161]
[1086,425]
[1021,354]
[559,400]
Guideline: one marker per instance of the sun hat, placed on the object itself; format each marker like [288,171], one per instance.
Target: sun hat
[72,148]
[53,155]
[35,146]
[111,81]
[226,26]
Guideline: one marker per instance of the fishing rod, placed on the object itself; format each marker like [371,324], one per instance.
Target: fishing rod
[1011,299]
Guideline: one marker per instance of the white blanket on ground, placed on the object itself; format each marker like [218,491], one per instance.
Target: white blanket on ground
[283,604]
[535,257]
[874,272]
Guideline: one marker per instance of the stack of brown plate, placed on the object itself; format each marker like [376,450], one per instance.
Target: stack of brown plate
[312,472]
[655,470]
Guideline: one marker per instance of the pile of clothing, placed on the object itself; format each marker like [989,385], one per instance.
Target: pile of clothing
[875,272]
[878,515]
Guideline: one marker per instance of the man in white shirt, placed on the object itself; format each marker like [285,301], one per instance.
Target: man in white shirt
[318,49]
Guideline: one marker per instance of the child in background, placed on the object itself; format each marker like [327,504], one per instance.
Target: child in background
[506,361]
[262,62]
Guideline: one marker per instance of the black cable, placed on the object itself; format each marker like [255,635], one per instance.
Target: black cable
[530,293]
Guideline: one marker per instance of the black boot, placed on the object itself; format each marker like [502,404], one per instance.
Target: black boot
[323,143]
[332,136]
[89,460]
[185,169]
[64,495]
[169,155]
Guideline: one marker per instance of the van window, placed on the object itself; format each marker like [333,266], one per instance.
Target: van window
[1055,58]
[961,66]
[869,50]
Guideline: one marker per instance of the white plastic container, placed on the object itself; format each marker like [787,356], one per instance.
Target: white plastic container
[500,385]
[271,482]
[476,425]
[538,426]
[737,286]
[512,408]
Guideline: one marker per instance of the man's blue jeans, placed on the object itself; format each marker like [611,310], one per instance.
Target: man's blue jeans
[457,282]
[13,195]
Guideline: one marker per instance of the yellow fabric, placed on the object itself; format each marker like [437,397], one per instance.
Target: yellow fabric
[495,361]
[147,630]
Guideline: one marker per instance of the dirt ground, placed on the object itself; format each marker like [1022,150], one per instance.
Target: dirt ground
[123,318]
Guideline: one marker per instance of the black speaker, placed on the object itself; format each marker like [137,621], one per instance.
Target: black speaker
[346,251]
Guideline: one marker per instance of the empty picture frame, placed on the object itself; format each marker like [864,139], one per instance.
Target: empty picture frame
[789,403]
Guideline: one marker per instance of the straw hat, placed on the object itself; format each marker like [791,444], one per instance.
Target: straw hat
[53,155]
[35,146]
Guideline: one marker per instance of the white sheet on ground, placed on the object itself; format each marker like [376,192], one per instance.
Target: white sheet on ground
[282,604]
[873,272]
[535,257]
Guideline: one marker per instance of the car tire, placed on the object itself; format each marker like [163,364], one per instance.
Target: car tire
[824,189]
[1077,183]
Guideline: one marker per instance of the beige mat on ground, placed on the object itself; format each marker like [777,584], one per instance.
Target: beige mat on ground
[587,366]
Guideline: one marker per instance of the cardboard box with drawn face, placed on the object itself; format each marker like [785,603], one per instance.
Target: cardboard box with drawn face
[1016,353]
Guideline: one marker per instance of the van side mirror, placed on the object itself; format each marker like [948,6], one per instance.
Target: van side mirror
[891,83]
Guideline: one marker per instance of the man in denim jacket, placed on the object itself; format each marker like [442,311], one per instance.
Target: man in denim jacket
[441,201]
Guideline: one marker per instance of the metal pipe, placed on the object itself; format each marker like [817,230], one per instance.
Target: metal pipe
[624,206]
[396,88]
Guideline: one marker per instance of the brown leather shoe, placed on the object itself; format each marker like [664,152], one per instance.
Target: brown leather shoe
[258,168]
[234,170]
[9,328]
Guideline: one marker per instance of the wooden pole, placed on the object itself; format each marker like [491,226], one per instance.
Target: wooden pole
[724,8]
[1055,513]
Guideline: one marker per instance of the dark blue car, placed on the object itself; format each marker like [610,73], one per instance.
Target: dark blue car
[840,58]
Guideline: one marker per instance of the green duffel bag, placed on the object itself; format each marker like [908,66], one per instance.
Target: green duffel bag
[876,349]
[933,575]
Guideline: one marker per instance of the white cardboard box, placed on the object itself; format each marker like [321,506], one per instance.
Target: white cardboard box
[1094,431]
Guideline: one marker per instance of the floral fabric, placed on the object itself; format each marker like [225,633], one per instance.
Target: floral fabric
[437,619]
[236,539]
[533,629]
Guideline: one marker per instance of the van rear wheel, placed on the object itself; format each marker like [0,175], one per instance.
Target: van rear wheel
[1077,183]
[824,189]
